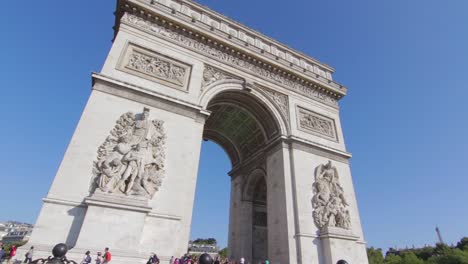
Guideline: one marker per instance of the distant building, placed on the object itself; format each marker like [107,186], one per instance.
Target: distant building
[198,249]
[13,231]
[3,230]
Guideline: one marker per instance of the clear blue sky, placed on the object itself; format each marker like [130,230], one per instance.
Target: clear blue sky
[405,117]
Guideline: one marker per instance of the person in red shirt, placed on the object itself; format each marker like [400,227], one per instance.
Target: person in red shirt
[107,256]
[12,253]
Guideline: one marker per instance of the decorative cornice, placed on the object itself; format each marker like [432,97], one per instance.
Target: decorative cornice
[175,33]
[205,19]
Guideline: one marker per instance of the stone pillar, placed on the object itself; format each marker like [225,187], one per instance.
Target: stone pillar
[131,226]
[281,242]
[322,243]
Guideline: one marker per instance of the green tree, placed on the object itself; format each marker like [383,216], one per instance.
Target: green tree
[375,255]
[207,241]
[392,259]
[223,252]
[409,257]
[424,253]
[450,256]
[463,244]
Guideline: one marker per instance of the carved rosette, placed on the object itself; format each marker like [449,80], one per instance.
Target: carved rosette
[131,159]
[212,75]
[329,203]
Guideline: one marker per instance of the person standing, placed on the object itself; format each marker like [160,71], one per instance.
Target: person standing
[171,261]
[107,256]
[99,258]
[12,253]
[29,255]
[2,253]
[87,258]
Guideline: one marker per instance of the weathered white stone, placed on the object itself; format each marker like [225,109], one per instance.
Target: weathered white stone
[185,64]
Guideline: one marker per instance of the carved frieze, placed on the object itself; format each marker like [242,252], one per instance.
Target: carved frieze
[131,159]
[232,58]
[212,74]
[155,67]
[329,203]
[281,100]
[315,123]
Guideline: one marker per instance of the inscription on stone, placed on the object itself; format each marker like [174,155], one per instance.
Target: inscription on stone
[155,67]
[314,123]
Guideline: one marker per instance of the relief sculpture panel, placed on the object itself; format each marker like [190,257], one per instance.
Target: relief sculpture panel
[155,67]
[317,124]
[329,203]
[131,159]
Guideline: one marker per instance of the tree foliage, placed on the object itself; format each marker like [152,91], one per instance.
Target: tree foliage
[223,252]
[440,254]
[206,241]
[375,255]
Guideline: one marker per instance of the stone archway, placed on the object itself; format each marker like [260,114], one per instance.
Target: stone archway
[244,126]
[178,72]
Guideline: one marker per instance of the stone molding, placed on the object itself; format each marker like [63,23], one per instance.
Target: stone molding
[316,124]
[301,144]
[212,49]
[153,66]
[110,85]
[207,19]
[119,203]
[165,216]
[333,232]
[63,202]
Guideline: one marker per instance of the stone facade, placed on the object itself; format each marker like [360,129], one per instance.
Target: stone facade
[178,72]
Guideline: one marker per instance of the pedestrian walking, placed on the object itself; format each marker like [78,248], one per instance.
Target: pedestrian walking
[107,256]
[2,253]
[87,258]
[99,258]
[12,254]
[29,255]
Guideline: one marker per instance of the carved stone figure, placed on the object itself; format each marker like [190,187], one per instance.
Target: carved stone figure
[329,203]
[131,159]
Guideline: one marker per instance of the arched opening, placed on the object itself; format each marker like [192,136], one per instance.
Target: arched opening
[240,123]
[243,125]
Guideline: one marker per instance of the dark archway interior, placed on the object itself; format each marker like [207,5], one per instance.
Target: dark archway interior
[240,124]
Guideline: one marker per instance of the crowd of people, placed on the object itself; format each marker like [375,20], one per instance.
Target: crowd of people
[105,258]
[100,258]
[193,259]
[12,253]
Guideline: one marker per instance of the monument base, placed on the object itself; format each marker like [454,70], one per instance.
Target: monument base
[113,221]
[340,244]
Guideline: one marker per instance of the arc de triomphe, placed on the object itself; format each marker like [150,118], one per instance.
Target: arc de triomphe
[178,73]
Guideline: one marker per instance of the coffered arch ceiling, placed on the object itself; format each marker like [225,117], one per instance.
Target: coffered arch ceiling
[240,123]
